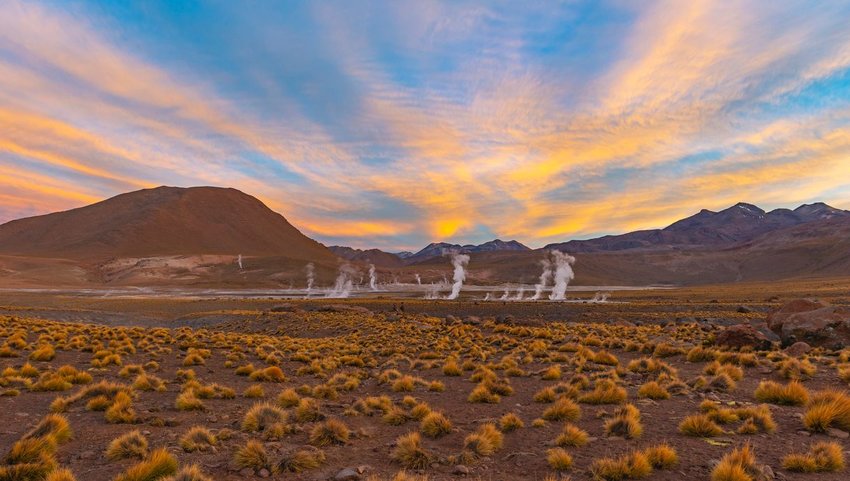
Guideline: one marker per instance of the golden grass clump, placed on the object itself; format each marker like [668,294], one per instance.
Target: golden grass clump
[634,465]
[148,382]
[188,400]
[605,392]
[308,410]
[625,424]
[332,431]
[559,459]
[484,442]
[254,391]
[159,464]
[824,456]
[189,473]
[252,455]
[129,445]
[791,394]
[662,456]
[564,409]
[451,368]
[510,422]
[653,390]
[43,353]
[59,475]
[796,369]
[410,453]
[481,394]
[738,465]
[435,424]
[827,409]
[261,416]
[700,425]
[301,460]
[55,426]
[269,374]
[572,436]
[288,398]
[198,438]
[121,410]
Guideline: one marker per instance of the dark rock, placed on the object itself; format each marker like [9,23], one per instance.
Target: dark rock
[460,470]
[745,310]
[743,335]
[812,321]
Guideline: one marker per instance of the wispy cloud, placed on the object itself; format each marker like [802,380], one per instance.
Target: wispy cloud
[401,123]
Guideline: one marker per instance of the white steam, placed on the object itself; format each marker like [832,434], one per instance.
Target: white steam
[600,297]
[459,261]
[505,295]
[343,285]
[373,278]
[563,274]
[239,261]
[418,279]
[310,269]
[545,277]
[519,293]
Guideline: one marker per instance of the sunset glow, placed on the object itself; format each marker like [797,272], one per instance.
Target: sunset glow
[394,124]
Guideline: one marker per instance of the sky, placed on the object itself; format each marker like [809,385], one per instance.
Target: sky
[393,124]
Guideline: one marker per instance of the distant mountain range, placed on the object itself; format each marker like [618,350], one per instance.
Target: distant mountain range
[435,249]
[199,236]
[739,223]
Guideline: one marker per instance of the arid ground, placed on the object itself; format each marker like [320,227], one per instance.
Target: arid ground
[247,388]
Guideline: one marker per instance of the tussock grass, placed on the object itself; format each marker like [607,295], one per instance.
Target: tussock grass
[410,453]
[824,456]
[129,445]
[158,465]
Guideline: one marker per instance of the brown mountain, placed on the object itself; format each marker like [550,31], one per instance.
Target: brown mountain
[368,256]
[739,223]
[164,221]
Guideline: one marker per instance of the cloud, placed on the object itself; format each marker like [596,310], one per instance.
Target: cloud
[408,122]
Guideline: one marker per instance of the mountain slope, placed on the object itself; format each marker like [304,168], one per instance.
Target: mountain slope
[162,221]
[739,223]
[369,256]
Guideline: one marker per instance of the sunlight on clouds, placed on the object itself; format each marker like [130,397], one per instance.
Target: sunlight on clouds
[449,121]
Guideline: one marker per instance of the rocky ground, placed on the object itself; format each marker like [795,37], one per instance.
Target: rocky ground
[355,378]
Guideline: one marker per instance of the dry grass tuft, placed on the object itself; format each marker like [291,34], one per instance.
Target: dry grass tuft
[129,445]
[822,457]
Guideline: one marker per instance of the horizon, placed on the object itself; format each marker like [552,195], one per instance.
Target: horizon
[396,124]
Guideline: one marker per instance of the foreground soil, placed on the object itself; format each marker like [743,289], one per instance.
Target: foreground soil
[379,366]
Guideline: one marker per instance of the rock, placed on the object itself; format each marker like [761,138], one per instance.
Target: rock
[347,474]
[264,473]
[88,455]
[743,335]
[246,472]
[745,309]
[472,320]
[282,308]
[813,322]
[837,433]
[798,349]
[460,470]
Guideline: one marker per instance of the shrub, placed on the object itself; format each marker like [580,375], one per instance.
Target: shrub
[52,425]
[410,453]
[564,409]
[263,415]
[510,422]
[605,392]
[826,409]
[631,466]
[700,425]
[198,438]
[822,457]
[662,456]
[572,435]
[653,390]
[484,442]
[435,424]
[559,459]
[738,465]
[252,455]
[301,460]
[329,432]
[121,410]
[158,465]
[189,473]
[128,445]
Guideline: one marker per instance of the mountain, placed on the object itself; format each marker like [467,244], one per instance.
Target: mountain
[368,256]
[164,221]
[740,223]
[438,249]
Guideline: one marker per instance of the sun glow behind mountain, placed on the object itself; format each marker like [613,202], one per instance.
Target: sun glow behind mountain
[394,124]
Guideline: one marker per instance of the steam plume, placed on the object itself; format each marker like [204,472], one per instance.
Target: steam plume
[519,293]
[600,297]
[563,274]
[373,279]
[545,277]
[310,270]
[239,261]
[418,279]
[343,285]
[459,261]
[487,297]
[505,295]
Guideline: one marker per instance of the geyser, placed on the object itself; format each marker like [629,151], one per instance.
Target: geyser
[459,261]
